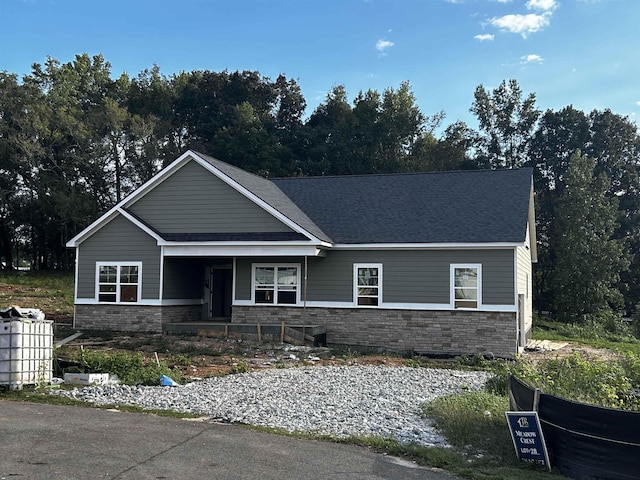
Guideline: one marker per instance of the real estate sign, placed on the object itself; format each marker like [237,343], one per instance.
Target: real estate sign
[527,437]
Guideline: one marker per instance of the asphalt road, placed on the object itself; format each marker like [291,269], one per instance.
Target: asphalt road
[51,442]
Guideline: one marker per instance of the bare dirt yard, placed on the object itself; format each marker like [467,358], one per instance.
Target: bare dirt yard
[203,356]
[565,349]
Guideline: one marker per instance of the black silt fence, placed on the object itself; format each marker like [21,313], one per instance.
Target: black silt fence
[584,441]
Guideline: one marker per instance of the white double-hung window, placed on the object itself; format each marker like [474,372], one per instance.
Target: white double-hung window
[367,284]
[466,285]
[118,282]
[276,284]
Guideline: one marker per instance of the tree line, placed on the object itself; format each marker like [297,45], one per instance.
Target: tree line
[74,141]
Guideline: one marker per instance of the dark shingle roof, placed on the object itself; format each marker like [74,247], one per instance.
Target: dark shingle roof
[268,192]
[479,206]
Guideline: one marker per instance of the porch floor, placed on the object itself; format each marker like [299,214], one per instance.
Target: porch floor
[296,334]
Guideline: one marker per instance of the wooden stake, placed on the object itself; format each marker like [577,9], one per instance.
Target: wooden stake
[282,332]
[259,333]
[157,359]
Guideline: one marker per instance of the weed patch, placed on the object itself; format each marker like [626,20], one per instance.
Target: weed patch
[129,368]
[576,377]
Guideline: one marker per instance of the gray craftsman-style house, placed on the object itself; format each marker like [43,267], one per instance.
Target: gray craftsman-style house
[426,262]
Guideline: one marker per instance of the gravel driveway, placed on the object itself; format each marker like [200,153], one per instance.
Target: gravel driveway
[333,400]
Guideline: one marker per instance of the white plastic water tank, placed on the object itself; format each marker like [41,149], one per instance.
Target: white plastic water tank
[26,352]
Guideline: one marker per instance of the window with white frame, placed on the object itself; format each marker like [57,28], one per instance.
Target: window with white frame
[367,284]
[276,284]
[466,285]
[119,282]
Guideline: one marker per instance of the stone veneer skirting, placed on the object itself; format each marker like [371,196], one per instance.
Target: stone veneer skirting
[421,331]
[132,317]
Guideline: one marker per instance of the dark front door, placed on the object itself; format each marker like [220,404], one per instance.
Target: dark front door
[221,282]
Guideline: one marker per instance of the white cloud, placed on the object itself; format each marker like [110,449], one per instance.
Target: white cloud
[522,24]
[531,58]
[545,5]
[485,37]
[383,45]
[638,103]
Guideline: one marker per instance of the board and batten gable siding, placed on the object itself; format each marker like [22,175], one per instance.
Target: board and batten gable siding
[409,276]
[193,200]
[119,241]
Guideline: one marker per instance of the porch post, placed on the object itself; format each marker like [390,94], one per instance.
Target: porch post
[304,301]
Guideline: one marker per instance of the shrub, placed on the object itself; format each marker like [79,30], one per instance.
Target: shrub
[576,377]
[130,368]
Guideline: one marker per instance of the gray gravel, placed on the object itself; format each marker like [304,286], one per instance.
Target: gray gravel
[333,400]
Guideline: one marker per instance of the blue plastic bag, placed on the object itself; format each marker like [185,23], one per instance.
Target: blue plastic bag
[166,381]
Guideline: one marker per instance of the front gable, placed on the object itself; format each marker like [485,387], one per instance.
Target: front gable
[200,201]
[192,200]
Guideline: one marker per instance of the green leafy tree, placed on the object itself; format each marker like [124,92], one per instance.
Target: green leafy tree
[327,137]
[588,259]
[507,122]
[450,152]
[381,133]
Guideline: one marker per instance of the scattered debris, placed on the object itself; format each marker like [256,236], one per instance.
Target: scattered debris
[544,345]
[15,311]
[86,378]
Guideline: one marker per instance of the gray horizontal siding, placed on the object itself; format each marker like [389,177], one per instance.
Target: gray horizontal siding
[119,241]
[408,276]
[193,200]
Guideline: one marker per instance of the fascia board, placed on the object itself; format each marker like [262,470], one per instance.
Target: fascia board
[254,198]
[426,246]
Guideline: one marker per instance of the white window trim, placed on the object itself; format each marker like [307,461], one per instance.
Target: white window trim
[118,264]
[275,265]
[356,266]
[452,294]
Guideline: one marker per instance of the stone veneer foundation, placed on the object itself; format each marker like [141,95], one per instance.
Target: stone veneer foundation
[422,331]
[132,317]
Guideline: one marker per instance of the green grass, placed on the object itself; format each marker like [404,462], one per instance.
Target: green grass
[475,425]
[51,292]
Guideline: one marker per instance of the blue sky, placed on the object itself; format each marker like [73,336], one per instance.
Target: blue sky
[584,53]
